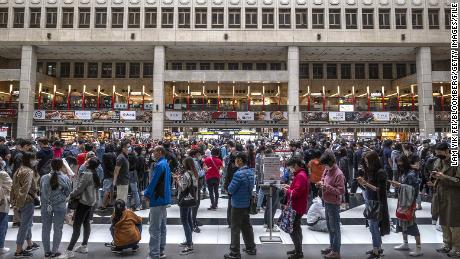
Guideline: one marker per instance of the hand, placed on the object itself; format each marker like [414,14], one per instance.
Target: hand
[286,187]
[430,183]
[114,182]
[361,181]
[437,175]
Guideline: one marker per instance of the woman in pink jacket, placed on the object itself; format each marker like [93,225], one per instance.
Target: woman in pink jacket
[298,192]
[332,186]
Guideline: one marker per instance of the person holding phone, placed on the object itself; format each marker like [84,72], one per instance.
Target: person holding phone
[374,182]
[446,199]
[408,187]
[332,185]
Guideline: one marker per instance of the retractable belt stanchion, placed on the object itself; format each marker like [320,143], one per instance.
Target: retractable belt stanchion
[270,239]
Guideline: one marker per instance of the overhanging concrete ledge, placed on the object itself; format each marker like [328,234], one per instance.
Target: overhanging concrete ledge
[226,76]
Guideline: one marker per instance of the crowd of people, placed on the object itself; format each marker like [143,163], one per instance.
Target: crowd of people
[70,181]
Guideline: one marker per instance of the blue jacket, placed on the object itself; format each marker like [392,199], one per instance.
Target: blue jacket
[241,186]
[159,189]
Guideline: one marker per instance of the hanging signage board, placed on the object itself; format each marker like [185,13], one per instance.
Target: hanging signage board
[336,116]
[128,115]
[39,115]
[83,115]
[381,116]
[173,116]
[245,116]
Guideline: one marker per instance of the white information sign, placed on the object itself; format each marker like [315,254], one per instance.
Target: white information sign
[271,168]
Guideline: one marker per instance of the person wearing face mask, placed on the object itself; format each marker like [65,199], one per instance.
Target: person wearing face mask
[374,182]
[408,186]
[5,190]
[22,199]
[446,199]
[297,192]
[332,185]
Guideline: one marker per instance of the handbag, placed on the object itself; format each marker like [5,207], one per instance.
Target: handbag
[73,203]
[373,209]
[406,214]
[186,199]
[287,217]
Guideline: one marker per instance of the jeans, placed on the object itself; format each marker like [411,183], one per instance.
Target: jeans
[3,228]
[55,218]
[122,192]
[187,223]
[296,234]
[25,229]
[213,187]
[82,217]
[157,230]
[375,232]
[135,195]
[260,198]
[333,225]
[273,206]
[241,223]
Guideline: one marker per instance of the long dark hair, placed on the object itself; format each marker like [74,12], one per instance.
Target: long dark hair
[27,158]
[56,165]
[189,165]
[119,206]
[405,164]
[93,163]
[373,165]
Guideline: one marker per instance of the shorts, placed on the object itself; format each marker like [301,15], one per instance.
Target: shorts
[107,185]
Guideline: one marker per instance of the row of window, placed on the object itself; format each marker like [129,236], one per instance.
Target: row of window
[374,71]
[96,70]
[234,17]
[318,70]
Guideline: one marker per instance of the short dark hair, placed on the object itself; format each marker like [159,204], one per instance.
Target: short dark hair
[243,157]
[295,160]
[2,139]
[443,146]
[25,142]
[160,149]
[327,158]
[194,152]
[239,147]
[43,141]
[215,152]
[88,147]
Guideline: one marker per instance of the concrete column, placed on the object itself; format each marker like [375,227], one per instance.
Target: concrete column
[27,92]
[425,92]
[158,92]
[293,92]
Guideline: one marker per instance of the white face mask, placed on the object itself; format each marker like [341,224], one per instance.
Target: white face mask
[34,163]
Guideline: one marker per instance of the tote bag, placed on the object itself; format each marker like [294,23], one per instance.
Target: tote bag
[287,217]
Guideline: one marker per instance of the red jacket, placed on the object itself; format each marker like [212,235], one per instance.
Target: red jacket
[299,191]
[334,182]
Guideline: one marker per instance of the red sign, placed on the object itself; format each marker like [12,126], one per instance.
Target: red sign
[224,115]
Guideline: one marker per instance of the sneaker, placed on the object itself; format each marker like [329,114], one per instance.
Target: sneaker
[332,255]
[402,247]
[326,251]
[372,251]
[135,248]
[48,255]
[232,256]
[199,224]
[296,256]
[250,251]
[57,254]
[197,230]
[4,250]
[183,244]
[291,252]
[373,256]
[417,252]
[116,250]
[444,249]
[453,253]
[22,254]
[187,250]
[82,249]
[16,224]
[67,254]
[33,247]
[163,255]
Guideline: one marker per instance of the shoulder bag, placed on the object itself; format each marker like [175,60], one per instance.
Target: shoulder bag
[373,209]
[186,199]
[287,217]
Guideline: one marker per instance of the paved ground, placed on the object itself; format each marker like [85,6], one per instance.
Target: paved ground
[97,251]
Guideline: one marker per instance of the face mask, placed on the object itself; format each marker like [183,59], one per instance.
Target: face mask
[442,157]
[34,163]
